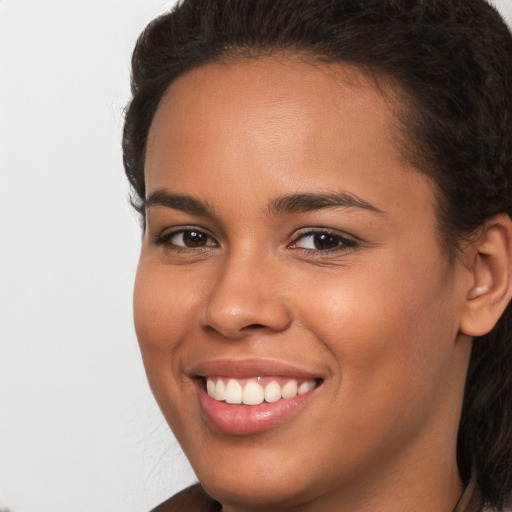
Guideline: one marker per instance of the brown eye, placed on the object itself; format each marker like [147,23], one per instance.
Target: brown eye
[188,238]
[323,241]
[194,239]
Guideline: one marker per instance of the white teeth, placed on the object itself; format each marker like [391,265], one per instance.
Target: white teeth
[233,392]
[210,387]
[306,386]
[272,392]
[253,393]
[220,390]
[289,390]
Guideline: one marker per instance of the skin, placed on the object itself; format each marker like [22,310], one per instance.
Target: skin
[378,317]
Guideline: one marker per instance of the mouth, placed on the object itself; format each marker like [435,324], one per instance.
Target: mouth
[257,390]
[250,397]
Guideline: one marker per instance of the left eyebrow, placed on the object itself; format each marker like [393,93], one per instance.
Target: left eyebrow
[299,203]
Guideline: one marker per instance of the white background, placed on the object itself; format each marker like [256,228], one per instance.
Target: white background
[79,430]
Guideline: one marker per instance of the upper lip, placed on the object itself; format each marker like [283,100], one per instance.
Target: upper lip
[248,368]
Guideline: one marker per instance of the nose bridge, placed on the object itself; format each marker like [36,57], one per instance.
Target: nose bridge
[245,296]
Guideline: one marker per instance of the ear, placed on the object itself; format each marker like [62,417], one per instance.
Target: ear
[490,264]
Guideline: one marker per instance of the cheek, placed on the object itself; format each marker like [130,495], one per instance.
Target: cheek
[162,306]
[392,346]
[391,331]
[162,310]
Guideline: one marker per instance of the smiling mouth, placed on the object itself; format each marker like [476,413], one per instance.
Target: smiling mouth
[257,390]
[248,397]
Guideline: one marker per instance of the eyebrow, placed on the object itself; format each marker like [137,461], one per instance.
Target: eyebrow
[298,203]
[178,202]
[293,203]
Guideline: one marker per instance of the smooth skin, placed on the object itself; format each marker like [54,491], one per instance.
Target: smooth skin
[361,294]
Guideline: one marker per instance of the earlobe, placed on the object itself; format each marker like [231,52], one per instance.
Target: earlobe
[491,269]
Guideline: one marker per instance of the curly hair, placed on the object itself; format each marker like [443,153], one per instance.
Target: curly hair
[452,63]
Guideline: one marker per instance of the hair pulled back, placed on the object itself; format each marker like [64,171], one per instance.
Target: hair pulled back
[452,59]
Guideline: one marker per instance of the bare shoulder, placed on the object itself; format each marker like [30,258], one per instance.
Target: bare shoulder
[192,499]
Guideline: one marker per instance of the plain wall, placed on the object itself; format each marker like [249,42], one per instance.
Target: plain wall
[79,429]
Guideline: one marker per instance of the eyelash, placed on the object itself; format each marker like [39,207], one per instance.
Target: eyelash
[164,239]
[342,243]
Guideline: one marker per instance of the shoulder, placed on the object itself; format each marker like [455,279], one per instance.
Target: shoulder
[192,499]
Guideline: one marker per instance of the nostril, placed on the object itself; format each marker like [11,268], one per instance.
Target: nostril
[257,316]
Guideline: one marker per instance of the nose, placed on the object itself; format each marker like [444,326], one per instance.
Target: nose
[245,297]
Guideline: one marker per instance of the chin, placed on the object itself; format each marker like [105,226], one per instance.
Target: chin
[252,476]
[257,489]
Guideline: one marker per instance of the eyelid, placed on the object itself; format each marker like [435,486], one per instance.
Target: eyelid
[347,241]
[164,237]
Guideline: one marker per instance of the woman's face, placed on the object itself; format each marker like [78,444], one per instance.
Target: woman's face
[291,250]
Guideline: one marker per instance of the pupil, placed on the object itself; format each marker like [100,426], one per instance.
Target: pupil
[194,239]
[324,241]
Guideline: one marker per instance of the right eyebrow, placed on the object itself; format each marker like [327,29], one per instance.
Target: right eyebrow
[180,202]
[297,203]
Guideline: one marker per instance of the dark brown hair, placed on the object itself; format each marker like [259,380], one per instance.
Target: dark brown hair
[453,61]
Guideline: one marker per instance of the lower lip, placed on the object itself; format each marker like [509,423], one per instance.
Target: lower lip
[250,419]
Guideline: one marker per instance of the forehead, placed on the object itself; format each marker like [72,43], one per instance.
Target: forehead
[272,118]
[284,97]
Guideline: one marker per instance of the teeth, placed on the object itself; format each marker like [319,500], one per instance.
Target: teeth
[220,390]
[210,387]
[306,386]
[289,390]
[272,392]
[253,393]
[233,392]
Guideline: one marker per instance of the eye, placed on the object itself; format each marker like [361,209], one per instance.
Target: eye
[186,238]
[322,241]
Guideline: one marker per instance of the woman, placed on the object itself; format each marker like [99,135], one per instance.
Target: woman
[324,286]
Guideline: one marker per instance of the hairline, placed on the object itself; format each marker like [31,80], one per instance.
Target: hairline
[403,106]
